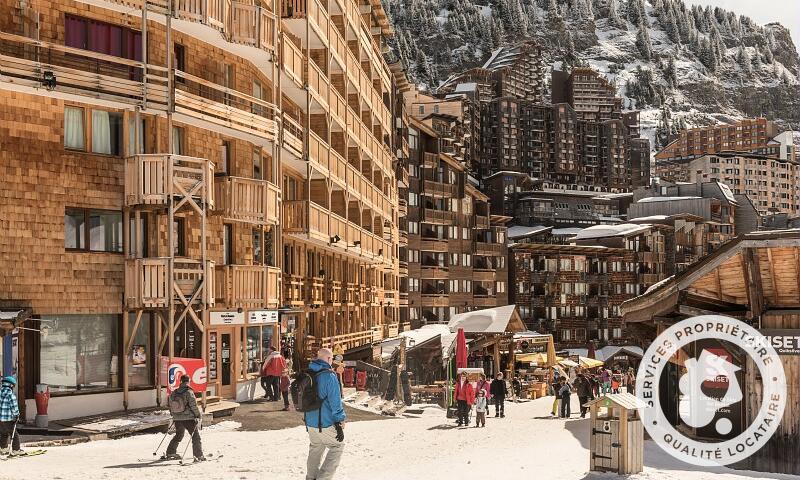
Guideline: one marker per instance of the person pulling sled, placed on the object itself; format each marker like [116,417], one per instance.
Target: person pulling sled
[186,417]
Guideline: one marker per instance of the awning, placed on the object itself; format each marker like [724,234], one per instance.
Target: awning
[537,358]
[587,362]
[567,363]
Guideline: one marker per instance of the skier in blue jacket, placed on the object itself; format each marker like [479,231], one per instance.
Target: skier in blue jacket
[326,425]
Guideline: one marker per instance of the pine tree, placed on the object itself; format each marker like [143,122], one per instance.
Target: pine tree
[671,72]
[643,42]
[570,59]
[633,11]
[757,61]
[613,16]
[743,59]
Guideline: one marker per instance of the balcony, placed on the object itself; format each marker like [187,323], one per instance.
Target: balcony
[293,60]
[350,340]
[247,200]
[434,272]
[487,301]
[147,282]
[483,275]
[490,249]
[315,291]
[439,189]
[442,217]
[434,300]
[247,286]
[439,245]
[293,291]
[153,179]
[481,221]
[333,293]
[292,136]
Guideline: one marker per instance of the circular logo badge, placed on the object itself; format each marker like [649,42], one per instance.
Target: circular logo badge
[699,379]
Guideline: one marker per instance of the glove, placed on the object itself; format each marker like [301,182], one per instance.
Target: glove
[339,432]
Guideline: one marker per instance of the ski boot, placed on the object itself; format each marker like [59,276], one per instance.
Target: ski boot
[170,456]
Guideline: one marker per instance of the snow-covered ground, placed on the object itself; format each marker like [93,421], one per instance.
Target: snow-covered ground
[525,444]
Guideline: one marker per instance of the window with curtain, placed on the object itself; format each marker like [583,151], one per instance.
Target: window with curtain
[132,150]
[102,229]
[102,37]
[106,132]
[177,140]
[80,353]
[74,133]
[258,166]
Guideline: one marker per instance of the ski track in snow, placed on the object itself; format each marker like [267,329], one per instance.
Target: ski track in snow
[525,444]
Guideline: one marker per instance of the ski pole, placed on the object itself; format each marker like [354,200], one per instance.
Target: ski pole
[163,438]
[191,438]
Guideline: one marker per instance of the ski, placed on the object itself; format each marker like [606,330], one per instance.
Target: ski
[30,453]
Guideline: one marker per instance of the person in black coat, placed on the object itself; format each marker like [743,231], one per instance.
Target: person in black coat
[499,390]
[584,388]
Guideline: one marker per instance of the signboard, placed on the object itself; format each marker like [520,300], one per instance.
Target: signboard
[227,318]
[171,373]
[262,316]
[785,341]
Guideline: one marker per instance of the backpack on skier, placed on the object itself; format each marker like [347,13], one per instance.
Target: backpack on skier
[176,403]
[305,395]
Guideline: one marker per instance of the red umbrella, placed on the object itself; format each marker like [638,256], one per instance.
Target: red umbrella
[461,349]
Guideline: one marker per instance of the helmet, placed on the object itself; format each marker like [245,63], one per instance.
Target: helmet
[10,379]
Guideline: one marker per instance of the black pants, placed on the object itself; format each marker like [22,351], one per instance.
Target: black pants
[499,405]
[463,412]
[182,426]
[6,428]
[276,388]
[285,398]
[565,412]
[583,399]
[266,386]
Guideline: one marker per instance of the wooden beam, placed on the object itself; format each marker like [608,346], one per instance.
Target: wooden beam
[772,276]
[752,277]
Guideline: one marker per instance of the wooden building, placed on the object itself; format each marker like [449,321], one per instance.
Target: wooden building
[177,172]
[756,279]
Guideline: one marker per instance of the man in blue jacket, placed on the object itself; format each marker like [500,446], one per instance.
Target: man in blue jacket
[326,425]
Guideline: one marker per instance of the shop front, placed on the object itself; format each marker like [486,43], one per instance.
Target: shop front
[238,341]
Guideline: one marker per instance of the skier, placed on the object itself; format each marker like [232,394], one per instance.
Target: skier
[564,392]
[271,372]
[499,390]
[480,409]
[9,415]
[186,416]
[465,397]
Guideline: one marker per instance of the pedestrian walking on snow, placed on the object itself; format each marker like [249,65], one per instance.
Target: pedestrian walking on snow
[9,416]
[465,397]
[564,392]
[316,393]
[480,409]
[557,400]
[271,371]
[483,384]
[186,417]
[285,389]
[499,391]
[583,386]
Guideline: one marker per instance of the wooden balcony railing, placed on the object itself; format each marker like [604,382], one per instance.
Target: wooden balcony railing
[440,189]
[248,286]
[247,200]
[293,290]
[293,61]
[315,291]
[483,248]
[252,25]
[481,221]
[75,71]
[318,83]
[333,293]
[349,340]
[152,179]
[434,300]
[222,106]
[147,283]
[438,216]
[292,135]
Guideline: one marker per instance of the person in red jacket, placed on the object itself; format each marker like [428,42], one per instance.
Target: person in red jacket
[465,397]
[271,371]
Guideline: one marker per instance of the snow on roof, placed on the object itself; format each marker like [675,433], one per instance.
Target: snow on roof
[488,320]
[726,190]
[607,352]
[466,87]
[665,199]
[417,337]
[610,219]
[521,231]
[651,218]
[600,231]
[566,231]
[10,314]
[658,284]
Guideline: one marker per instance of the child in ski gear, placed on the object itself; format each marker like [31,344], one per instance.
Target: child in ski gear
[9,415]
[271,371]
[325,425]
[285,389]
[499,390]
[465,397]
[483,384]
[480,409]
[186,417]
[564,392]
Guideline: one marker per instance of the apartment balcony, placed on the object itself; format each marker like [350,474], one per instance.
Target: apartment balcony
[402,207]
[439,189]
[434,300]
[441,217]
[292,136]
[334,293]
[247,286]
[247,200]
[391,330]
[72,71]
[293,293]
[292,60]
[434,272]
[490,249]
[147,282]
[430,160]
[486,301]
[349,340]
[404,300]
[351,293]
[483,275]
[315,291]
[481,221]
[439,245]
[154,179]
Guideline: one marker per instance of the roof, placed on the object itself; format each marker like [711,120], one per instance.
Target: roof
[566,249]
[569,231]
[602,231]
[466,87]
[12,317]
[607,352]
[625,400]
[490,320]
[665,199]
[420,337]
[522,231]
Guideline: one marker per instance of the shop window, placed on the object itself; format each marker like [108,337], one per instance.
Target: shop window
[80,353]
[259,339]
[102,229]
[74,133]
[140,357]
[106,132]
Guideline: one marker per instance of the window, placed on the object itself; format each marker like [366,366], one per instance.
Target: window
[258,165]
[177,140]
[74,136]
[413,199]
[413,284]
[81,353]
[138,247]
[132,135]
[102,229]
[413,228]
[501,287]
[224,155]
[467,286]
[102,37]
[227,244]
[179,237]
[106,132]
[259,339]
[257,247]
[140,357]
[180,61]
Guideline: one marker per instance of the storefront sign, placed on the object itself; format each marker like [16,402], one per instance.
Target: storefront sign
[171,373]
[263,316]
[785,341]
[227,318]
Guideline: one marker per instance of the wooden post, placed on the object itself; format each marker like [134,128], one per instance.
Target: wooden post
[497,355]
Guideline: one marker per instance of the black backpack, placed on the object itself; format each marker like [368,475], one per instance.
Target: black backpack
[304,390]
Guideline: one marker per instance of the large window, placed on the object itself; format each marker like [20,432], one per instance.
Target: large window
[259,339]
[102,229]
[101,37]
[106,132]
[74,133]
[80,353]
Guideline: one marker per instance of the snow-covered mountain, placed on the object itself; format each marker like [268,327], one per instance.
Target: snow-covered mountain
[681,65]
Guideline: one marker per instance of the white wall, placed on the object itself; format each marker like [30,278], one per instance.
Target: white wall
[91,404]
